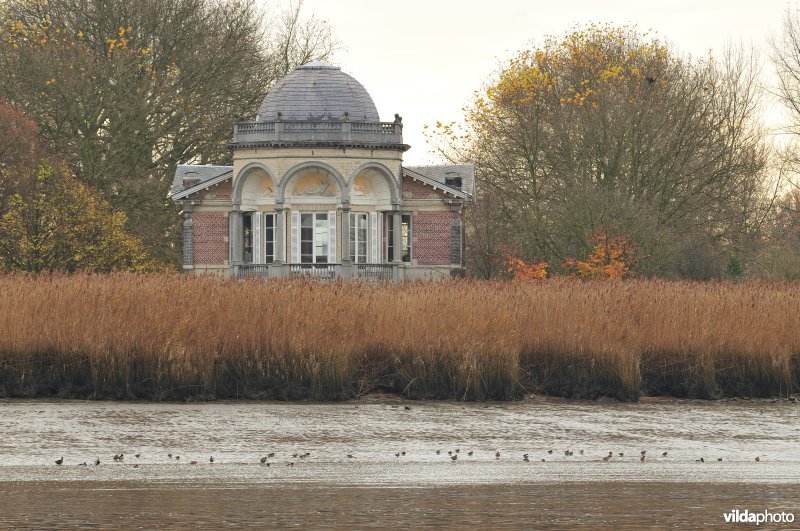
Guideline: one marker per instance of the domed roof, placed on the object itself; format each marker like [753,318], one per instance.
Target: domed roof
[318,91]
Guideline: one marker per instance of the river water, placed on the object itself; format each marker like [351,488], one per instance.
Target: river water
[376,487]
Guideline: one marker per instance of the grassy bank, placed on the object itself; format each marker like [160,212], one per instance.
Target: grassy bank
[173,337]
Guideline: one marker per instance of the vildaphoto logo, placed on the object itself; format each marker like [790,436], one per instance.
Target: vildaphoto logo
[762,517]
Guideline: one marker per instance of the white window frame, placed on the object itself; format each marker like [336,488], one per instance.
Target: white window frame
[270,232]
[248,237]
[315,217]
[355,240]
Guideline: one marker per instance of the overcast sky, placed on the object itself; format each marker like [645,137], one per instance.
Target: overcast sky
[424,59]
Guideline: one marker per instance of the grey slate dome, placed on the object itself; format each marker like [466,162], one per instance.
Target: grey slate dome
[318,91]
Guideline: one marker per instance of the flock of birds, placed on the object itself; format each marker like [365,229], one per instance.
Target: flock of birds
[452,454]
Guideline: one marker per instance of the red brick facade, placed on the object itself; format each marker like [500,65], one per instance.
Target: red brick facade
[223,190]
[420,190]
[210,237]
[431,237]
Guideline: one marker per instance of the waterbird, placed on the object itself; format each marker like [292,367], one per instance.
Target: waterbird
[469,453]
[497,455]
[757,459]
[271,455]
[294,454]
[397,454]
[719,459]
[211,459]
[82,464]
[407,408]
[608,457]
[542,459]
[177,457]
[643,452]
[438,452]
[97,461]
[458,450]
[136,466]
[454,457]
[290,464]
[641,459]
[169,455]
[350,456]
[121,456]
[701,460]
[137,456]
[263,460]
[307,454]
[664,454]
[192,462]
[525,457]
[549,451]
[449,452]
[621,454]
[403,452]
[581,452]
[116,457]
[60,461]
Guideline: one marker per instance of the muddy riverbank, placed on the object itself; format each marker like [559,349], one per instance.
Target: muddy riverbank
[401,472]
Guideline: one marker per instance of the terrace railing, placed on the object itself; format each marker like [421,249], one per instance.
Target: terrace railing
[370,272]
[318,271]
[375,271]
[251,270]
[318,131]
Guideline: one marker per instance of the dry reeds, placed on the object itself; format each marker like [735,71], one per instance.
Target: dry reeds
[168,337]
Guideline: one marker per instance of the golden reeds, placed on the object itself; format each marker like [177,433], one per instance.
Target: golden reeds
[179,336]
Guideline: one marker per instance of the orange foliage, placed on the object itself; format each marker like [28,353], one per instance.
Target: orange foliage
[612,257]
[522,271]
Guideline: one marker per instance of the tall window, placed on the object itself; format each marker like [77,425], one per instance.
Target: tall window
[358,237]
[314,234]
[247,240]
[405,228]
[269,238]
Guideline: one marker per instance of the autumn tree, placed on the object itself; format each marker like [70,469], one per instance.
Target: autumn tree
[127,90]
[609,130]
[48,219]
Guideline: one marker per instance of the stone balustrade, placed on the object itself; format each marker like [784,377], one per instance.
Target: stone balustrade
[247,134]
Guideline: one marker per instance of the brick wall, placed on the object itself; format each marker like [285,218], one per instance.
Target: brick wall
[210,237]
[431,237]
[223,190]
[416,190]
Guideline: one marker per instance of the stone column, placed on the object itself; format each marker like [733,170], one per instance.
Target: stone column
[456,257]
[397,240]
[235,235]
[280,234]
[345,245]
[348,270]
[188,237]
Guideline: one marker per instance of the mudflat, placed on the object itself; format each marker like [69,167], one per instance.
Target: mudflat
[383,461]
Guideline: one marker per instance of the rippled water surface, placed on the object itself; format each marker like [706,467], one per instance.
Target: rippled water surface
[375,487]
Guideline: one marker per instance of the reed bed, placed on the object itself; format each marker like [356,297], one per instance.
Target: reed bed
[177,337]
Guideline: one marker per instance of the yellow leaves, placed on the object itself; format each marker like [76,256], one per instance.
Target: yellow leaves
[610,72]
